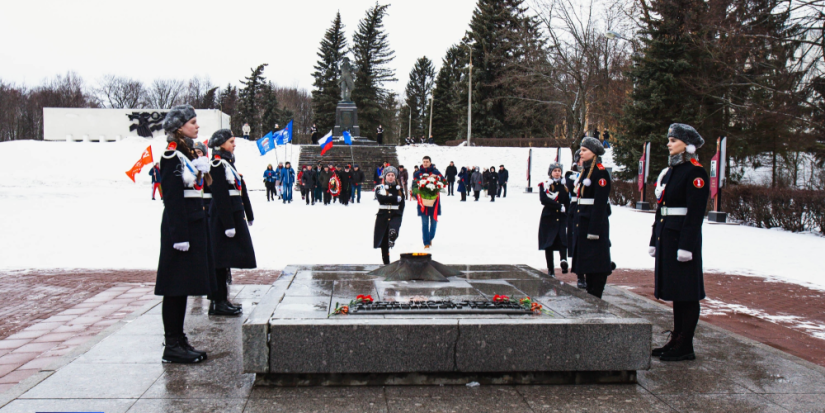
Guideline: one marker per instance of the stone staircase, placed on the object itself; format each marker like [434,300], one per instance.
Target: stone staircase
[367,157]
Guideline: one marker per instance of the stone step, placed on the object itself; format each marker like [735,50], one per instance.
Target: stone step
[367,157]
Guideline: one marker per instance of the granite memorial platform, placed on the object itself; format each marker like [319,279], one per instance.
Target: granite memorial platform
[293,336]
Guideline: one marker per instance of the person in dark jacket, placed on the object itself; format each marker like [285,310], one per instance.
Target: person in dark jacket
[154,173]
[269,183]
[379,135]
[308,179]
[390,196]
[230,214]
[463,180]
[503,177]
[346,184]
[357,179]
[492,183]
[429,214]
[314,131]
[183,266]
[676,240]
[477,182]
[591,249]
[318,191]
[323,179]
[451,173]
[571,180]
[555,197]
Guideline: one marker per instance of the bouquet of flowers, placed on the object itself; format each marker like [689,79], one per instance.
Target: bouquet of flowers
[428,186]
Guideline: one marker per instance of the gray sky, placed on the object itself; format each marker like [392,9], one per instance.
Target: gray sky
[151,39]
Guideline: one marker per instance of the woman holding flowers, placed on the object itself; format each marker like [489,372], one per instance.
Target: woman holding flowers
[428,183]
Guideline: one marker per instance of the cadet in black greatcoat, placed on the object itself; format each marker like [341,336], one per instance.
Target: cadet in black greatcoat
[183,266]
[390,196]
[231,241]
[571,178]
[591,245]
[555,197]
[676,242]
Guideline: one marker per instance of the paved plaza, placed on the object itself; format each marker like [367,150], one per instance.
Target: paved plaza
[118,370]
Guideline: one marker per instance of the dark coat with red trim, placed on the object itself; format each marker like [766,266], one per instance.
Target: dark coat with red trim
[686,186]
[570,178]
[184,220]
[228,212]
[592,256]
[553,222]
[388,218]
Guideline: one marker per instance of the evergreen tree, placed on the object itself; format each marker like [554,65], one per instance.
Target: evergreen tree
[326,93]
[390,117]
[372,53]
[418,91]
[270,115]
[249,106]
[227,103]
[447,103]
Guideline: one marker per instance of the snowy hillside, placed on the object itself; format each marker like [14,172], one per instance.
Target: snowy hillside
[70,205]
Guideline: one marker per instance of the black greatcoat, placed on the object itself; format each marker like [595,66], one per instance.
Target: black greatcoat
[492,183]
[228,212]
[553,222]
[686,185]
[388,195]
[569,181]
[184,220]
[346,183]
[592,256]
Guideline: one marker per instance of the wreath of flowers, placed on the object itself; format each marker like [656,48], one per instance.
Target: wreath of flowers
[334,186]
[428,186]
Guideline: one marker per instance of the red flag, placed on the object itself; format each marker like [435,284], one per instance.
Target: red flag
[145,159]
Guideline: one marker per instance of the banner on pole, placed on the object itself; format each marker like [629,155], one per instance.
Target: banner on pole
[715,169]
[283,136]
[265,143]
[347,138]
[644,166]
[145,159]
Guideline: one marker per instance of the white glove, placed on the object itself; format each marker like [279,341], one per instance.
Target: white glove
[652,251]
[562,208]
[181,246]
[399,199]
[249,223]
[230,232]
[592,237]
[202,164]
[552,195]
[684,256]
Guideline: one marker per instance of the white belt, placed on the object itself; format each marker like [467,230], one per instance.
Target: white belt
[192,193]
[234,192]
[586,201]
[673,211]
[207,196]
[387,206]
[574,198]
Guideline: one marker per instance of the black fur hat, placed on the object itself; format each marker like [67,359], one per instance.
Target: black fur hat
[219,137]
[686,134]
[593,145]
[178,116]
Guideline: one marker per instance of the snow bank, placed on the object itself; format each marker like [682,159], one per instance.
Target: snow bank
[70,205]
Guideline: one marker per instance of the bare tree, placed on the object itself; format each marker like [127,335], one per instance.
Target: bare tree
[120,92]
[201,93]
[164,93]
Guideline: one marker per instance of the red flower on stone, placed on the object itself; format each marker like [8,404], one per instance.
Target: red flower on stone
[364,298]
[500,298]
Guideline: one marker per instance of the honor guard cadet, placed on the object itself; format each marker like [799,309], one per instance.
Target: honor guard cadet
[676,242]
[183,267]
[231,241]
[390,196]
[591,238]
[555,197]
[571,178]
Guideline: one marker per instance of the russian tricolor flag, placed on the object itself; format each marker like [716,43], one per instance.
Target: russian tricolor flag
[325,142]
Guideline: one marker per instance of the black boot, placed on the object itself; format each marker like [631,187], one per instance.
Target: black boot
[223,308]
[581,282]
[564,267]
[175,352]
[386,259]
[657,352]
[184,342]
[392,237]
[682,349]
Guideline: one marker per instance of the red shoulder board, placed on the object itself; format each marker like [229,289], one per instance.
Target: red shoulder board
[217,157]
[600,166]
[695,162]
[172,146]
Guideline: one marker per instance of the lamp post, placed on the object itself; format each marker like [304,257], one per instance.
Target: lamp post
[469,96]
[409,124]
[431,116]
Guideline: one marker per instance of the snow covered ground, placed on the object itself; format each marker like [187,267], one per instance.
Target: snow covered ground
[70,205]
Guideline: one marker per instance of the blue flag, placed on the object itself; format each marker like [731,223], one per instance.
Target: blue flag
[284,136]
[347,138]
[265,144]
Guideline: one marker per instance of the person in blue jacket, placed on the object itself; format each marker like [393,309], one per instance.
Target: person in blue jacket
[287,180]
[463,179]
[429,215]
[269,182]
